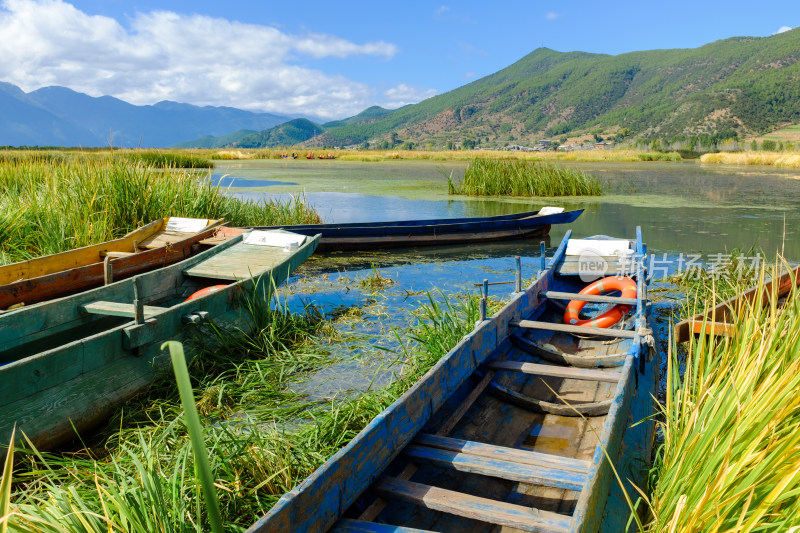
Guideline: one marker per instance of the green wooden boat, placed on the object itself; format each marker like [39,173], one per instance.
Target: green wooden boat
[71,362]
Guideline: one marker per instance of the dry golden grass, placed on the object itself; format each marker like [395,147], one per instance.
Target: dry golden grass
[443,155]
[776,159]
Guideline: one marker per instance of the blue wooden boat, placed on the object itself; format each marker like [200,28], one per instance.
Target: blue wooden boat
[434,232]
[489,439]
[67,364]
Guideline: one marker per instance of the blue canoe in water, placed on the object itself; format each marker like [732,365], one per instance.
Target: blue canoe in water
[434,232]
[490,437]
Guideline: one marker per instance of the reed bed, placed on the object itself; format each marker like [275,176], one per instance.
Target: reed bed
[48,206]
[776,159]
[731,427]
[262,439]
[489,177]
[171,159]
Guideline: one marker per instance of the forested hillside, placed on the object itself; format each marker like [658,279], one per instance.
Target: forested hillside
[728,89]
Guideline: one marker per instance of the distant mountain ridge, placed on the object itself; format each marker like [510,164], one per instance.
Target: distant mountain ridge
[289,133]
[727,89]
[58,116]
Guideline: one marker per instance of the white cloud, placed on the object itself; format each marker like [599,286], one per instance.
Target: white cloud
[405,94]
[442,10]
[187,58]
[782,29]
[551,16]
[470,75]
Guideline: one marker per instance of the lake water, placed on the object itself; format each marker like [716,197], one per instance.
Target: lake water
[688,212]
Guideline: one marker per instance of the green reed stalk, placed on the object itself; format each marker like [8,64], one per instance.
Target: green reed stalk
[202,466]
[5,485]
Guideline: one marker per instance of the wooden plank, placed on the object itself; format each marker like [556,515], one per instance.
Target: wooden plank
[499,468]
[717,329]
[116,254]
[597,298]
[347,525]
[580,330]
[120,309]
[239,262]
[493,451]
[556,371]
[474,507]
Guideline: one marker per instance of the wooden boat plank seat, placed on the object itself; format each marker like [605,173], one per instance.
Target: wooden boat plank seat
[554,371]
[499,468]
[348,525]
[597,298]
[525,457]
[580,330]
[238,262]
[473,507]
[164,238]
[718,329]
[119,309]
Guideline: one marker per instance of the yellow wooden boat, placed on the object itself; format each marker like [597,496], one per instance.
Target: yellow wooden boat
[162,242]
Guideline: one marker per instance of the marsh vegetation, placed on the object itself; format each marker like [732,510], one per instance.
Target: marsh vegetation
[490,177]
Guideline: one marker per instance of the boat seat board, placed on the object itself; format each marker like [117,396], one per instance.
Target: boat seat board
[360,526]
[581,330]
[499,468]
[599,298]
[119,309]
[473,507]
[556,371]
[163,238]
[240,261]
[525,457]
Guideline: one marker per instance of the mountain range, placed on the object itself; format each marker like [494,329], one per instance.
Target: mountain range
[58,116]
[730,89]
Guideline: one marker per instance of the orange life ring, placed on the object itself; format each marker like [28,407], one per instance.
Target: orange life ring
[204,291]
[610,317]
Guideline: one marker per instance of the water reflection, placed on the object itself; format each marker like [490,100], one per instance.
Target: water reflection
[226,180]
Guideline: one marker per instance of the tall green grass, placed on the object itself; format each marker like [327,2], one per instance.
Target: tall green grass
[168,159]
[729,460]
[493,177]
[48,206]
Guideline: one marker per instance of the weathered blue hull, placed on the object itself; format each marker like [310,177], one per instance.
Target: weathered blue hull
[482,439]
[435,232]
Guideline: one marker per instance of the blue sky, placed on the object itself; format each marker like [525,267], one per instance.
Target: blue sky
[332,59]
